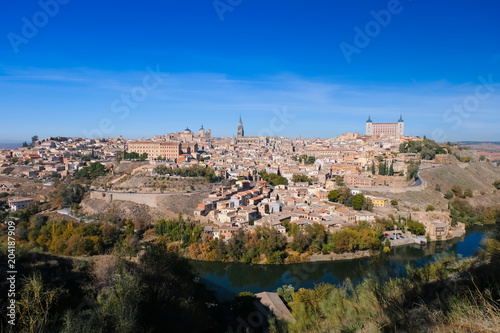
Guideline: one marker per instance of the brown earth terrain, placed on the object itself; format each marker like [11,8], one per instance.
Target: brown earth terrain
[492,147]
[126,167]
[122,210]
[24,187]
[168,205]
[479,177]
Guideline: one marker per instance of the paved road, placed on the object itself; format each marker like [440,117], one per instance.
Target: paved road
[418,179]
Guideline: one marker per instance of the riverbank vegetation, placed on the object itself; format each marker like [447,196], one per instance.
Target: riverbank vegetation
[449,295]
[262,245]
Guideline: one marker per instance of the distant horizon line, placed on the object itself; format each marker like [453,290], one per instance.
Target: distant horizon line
[20,142]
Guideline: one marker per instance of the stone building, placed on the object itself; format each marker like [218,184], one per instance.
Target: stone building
[385,129]
[169,150]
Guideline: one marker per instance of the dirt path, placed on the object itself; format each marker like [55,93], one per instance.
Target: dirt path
[140,168]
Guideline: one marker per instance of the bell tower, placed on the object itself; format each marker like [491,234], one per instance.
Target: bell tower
[241,132]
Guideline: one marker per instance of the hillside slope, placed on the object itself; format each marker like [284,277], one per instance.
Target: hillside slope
[476,176]
[479,177]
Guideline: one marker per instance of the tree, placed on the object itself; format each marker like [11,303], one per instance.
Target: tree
[34,303]
[236,246]
[276,258]
[316,235]
[457,190]
[448,195]
[300,242]
[373,168]
[496,183]
[270,240]
[429,208]
[334,195]
[427,148]
[273,178]
[468,193]
[91,172]
[391,169]
[416,228]
[130,156]
[34,138]
[286,293]
[394,203]
[306,159]
[161,170]
[358,201]
[382,169]
[411,171]
[129,227]
[210,175]
[301,179]
[368,204]
[345,196]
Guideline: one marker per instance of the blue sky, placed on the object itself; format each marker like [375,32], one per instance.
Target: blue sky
[434,62]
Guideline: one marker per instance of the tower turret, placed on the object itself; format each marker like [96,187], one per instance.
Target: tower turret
[369,126]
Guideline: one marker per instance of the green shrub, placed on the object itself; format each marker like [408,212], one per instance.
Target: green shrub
[416,228]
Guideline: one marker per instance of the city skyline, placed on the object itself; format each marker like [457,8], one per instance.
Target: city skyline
[437,64]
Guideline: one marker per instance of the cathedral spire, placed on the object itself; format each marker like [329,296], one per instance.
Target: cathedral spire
[241,132]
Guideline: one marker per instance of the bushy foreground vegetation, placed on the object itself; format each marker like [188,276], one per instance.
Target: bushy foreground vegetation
[157,293]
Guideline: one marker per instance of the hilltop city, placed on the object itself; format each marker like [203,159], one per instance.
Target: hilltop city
[241,182]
